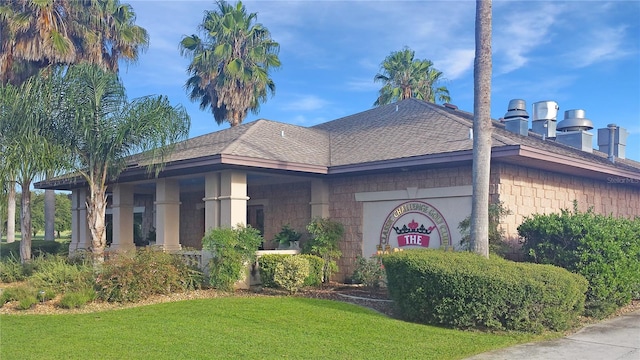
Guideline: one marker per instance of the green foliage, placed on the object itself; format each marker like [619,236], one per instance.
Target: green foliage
[57,273]
[232,249]
[315,270]
[605,250]
[17,293]
[26,302]
[291,273]
[77,299]
[497,244]
[62,213]
[148,272]
[370,272]
[287,235]
[269,262]
[325,243]
[12,270]
[464,290]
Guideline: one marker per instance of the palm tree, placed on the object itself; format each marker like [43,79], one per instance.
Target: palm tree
[404,77]
[229,69]
[99,127]
[481,168]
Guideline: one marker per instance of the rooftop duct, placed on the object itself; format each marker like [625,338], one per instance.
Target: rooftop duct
[516,118]
[544,118]
[613,144]
[573,130]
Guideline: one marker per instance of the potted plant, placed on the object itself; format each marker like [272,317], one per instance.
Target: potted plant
[287,238]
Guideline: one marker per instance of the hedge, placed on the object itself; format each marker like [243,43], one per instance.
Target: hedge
[38,247]
[268,263]
[466,291]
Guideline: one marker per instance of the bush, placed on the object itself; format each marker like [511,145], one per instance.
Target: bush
[315,270]
[605,250]
[77,299]
[12,270]
[497,243]
[232,249]
[325,240]
[38,248]
[27,302]
[149,272]
[56,273]
[25,295]
[463,290]
[369,272]
[267,264]
[291,272]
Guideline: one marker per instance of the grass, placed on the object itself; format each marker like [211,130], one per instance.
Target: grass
[238,327]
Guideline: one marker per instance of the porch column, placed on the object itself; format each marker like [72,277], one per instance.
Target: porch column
[122,207]
[233,198]
[168,214]
[211,201]
[80,239]
[319,198]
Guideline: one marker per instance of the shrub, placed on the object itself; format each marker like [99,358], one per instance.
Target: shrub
[232,249]
[315,270]
[77,299]
[26,302]
[148,272]
[463,290]
[369,272]
[56,273]
[325,240]
[605,250]
[286,236]
[267,264]
[12,270]
[291,272]
[38,247]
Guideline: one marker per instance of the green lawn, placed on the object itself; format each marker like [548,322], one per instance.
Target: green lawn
[237,327]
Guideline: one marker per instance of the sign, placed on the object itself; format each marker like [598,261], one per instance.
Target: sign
[415,224]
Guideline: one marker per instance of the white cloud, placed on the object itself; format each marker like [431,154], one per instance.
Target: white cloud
[456,63]
[605,44]
[305,103]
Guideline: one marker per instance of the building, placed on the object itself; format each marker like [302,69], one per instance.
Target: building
[397,175]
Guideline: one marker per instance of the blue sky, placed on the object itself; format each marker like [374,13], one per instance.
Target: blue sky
[581,54]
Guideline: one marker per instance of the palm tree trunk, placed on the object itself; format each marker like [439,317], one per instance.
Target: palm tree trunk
[96,209]
[25,243]
[49,214]
[11,212]
[482,130]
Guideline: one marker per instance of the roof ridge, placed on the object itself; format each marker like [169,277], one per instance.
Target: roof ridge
[233,144]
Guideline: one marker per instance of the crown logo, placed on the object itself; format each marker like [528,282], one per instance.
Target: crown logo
[412,227]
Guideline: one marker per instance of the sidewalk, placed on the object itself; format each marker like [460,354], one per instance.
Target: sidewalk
[613,339]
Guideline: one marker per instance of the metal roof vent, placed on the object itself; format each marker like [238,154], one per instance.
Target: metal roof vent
[516,118]
[544,118]
[574,120]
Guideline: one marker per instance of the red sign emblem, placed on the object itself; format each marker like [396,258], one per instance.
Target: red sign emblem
[412,235]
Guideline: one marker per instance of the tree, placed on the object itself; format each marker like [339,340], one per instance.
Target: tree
[404,77]
[482,129]
[63,214]
[229,69]
[29,152]
[99,128]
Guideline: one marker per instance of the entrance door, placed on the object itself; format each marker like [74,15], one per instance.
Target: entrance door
[255,218]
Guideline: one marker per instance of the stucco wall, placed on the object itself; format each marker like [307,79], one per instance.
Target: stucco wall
[286,203]
[527,191]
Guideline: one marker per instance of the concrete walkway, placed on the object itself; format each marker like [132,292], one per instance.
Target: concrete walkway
[613,339]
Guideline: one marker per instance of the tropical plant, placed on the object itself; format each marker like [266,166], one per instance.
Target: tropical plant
[100,128]
[287,235]
[405,77]
[229,69]
[232,249]
[482,128]
[325,240]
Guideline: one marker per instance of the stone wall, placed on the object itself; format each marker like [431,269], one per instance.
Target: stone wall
[525,191]
[286,203]
[345,209]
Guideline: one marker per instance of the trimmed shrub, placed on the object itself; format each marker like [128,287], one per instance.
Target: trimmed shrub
[148,272]
[463,290]
[267,264]
[605,250]
[315,270]
[232,249]
[291,272]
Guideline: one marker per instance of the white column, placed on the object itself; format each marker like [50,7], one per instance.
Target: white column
[211,201]
[80,239]
[233,198]
[319,198]
[122,210]
[168,214]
